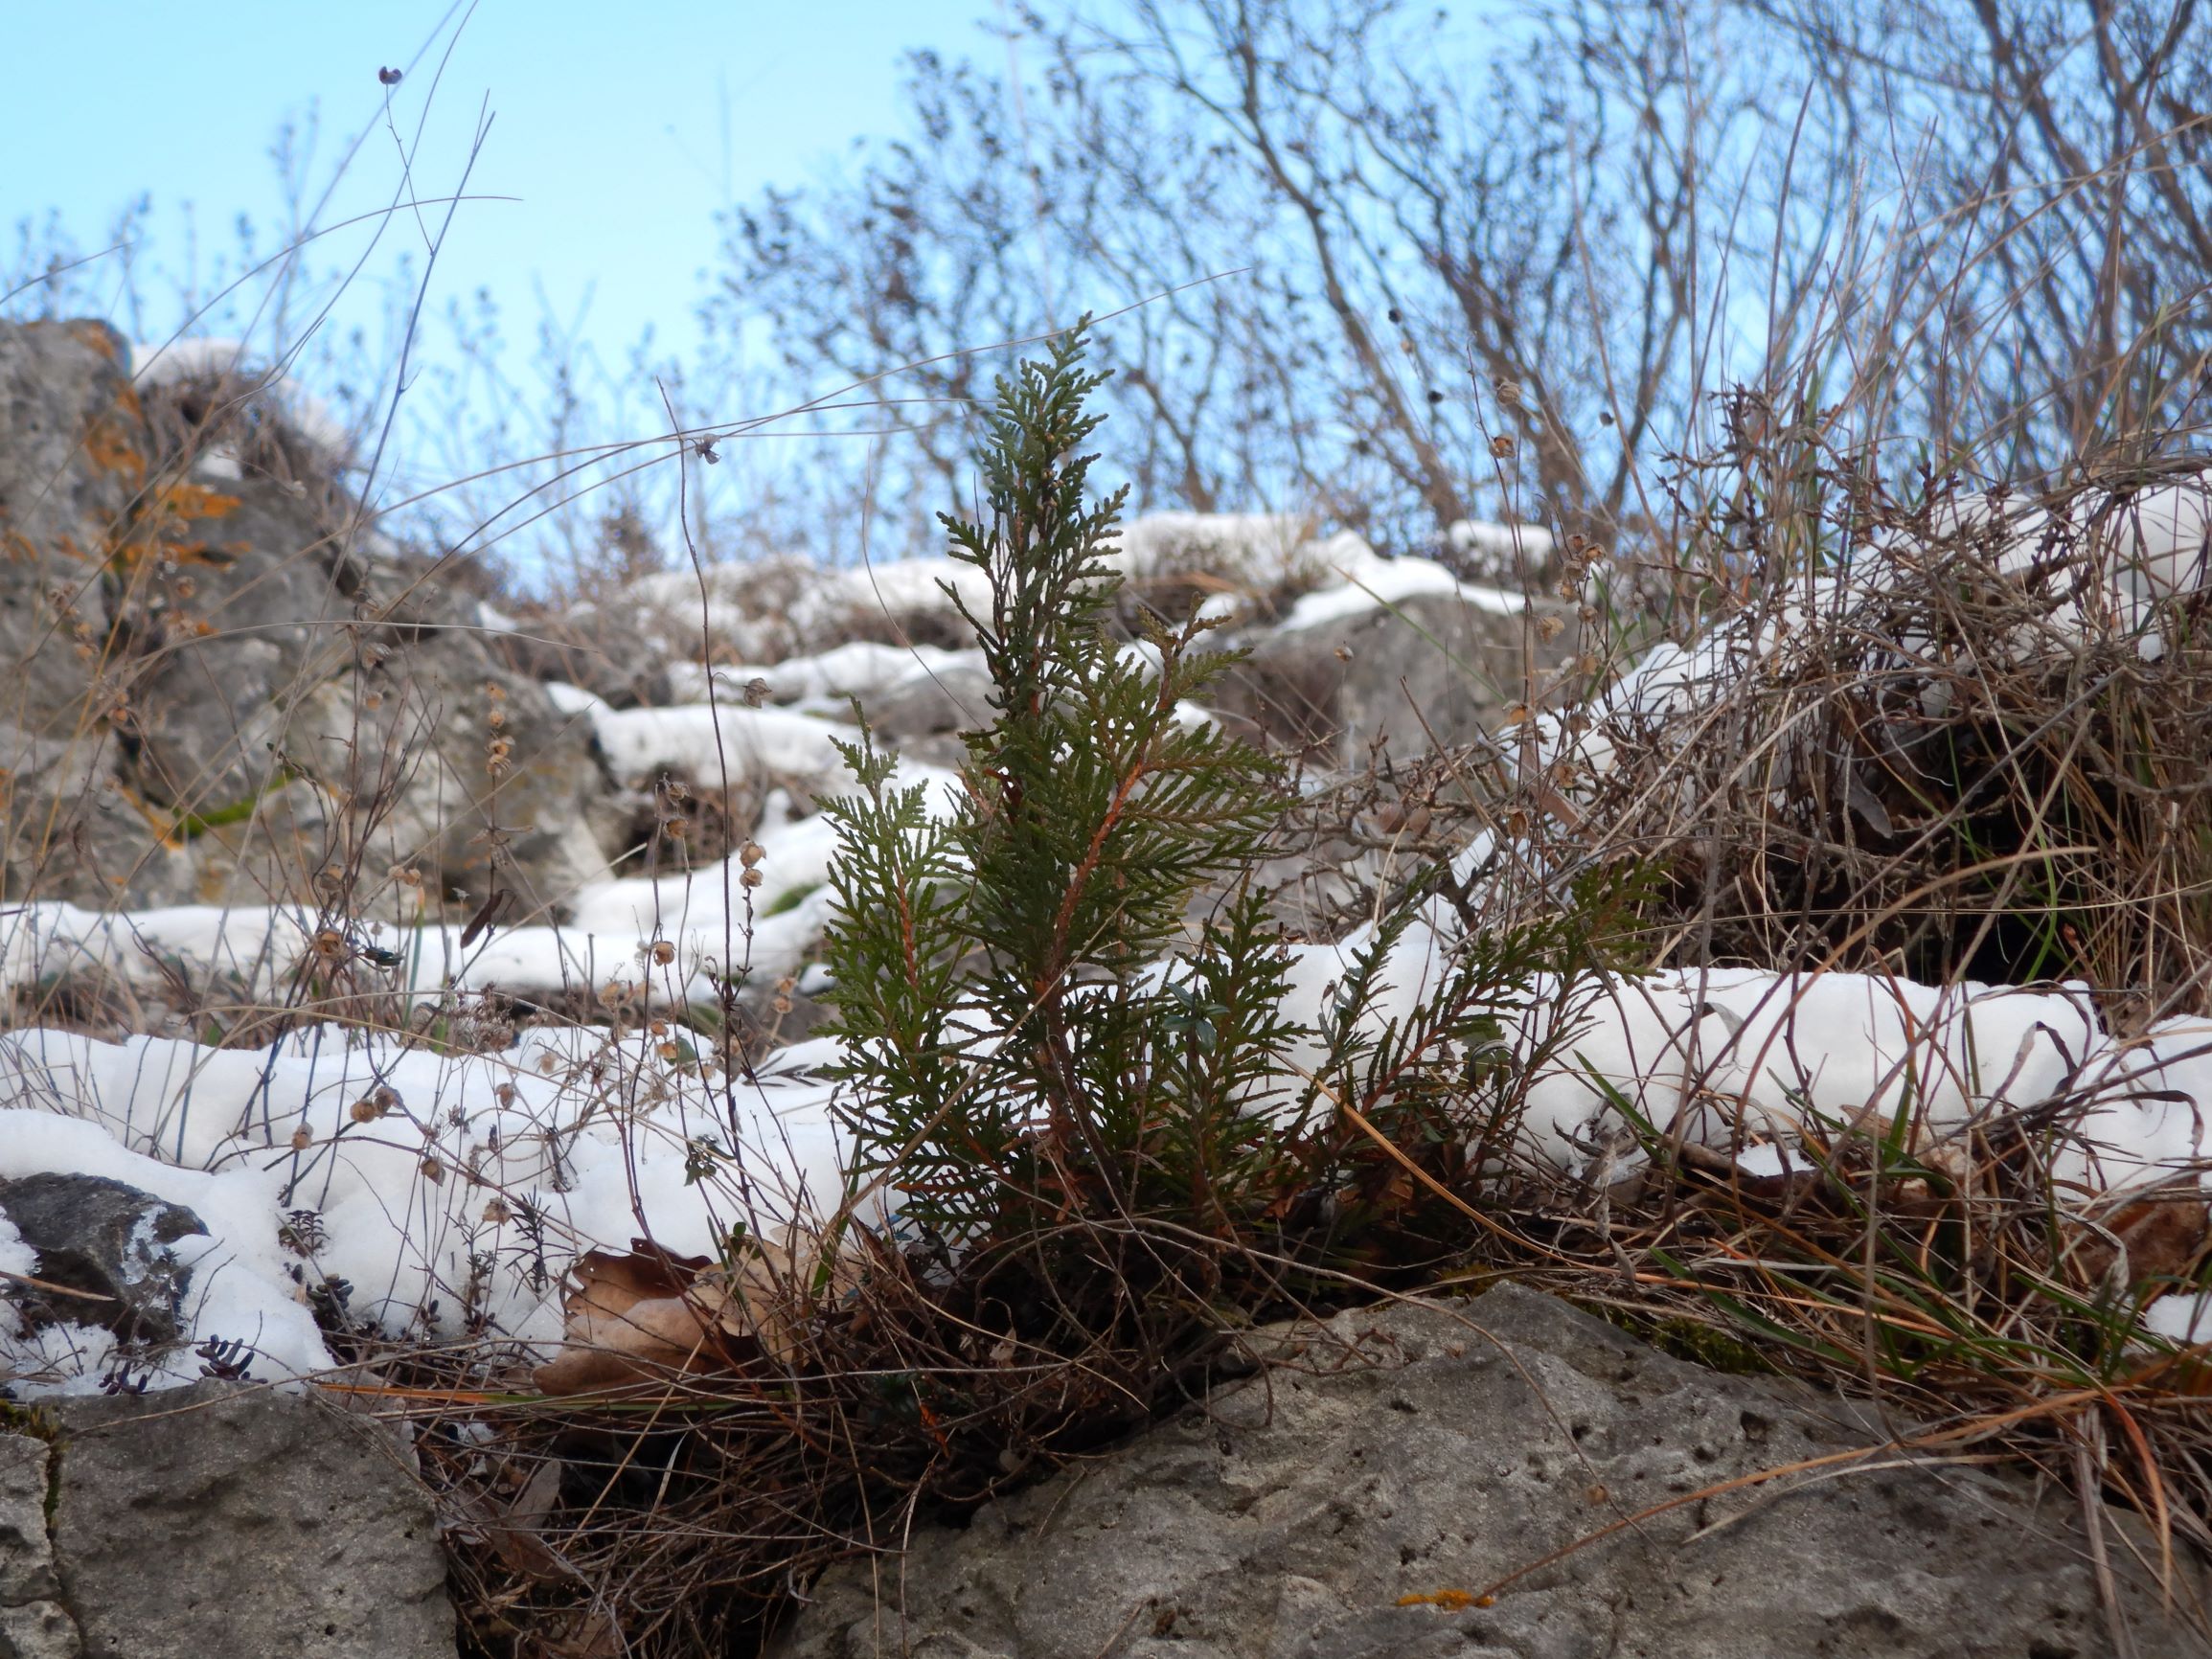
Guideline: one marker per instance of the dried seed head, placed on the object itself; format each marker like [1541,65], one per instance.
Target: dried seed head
[663,953]
[365,1111]
[1549,628]
[496,1211]
[433,1171]
[752,879]
[303,1138]
[1508,393]
[503,1094]
[755,693]
[1501,446]
[751,853]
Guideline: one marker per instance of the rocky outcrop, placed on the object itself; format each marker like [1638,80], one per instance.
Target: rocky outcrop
[222,684]
[215,1520]
[74,460]
[1355,1500]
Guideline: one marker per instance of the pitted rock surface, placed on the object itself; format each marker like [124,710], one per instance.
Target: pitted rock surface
[232,1520]
[1429,1450]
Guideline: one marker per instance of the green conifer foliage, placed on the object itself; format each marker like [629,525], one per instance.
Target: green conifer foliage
[1013,1043]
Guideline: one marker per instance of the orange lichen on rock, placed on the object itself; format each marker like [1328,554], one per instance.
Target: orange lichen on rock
[110,444]
[161,528]
[1450,1601]
[187,502]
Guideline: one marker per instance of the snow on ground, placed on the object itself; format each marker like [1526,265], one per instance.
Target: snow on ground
[1503,547]
[827,680]
[448,1192]
[2123,558]
[724,744]
[240,1286]
[255,952]
[761,610]
[1729,1058]
[1370,581]
[438,1194]
[766,614]
[1251,551]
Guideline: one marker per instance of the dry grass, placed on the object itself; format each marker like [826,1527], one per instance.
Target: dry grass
[1940,777]
[1944,775]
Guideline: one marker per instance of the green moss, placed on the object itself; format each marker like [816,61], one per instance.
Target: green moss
[191,826]
[1687,1339]
[1709,1345]
[791,900]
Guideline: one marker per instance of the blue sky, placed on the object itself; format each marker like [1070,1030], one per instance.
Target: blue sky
[620,129]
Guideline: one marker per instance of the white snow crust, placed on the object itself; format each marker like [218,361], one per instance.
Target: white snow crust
[447,1192]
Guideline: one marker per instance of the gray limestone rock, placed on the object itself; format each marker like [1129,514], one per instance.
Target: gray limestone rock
[1428,1451]
[26,1554]
[1426,669]
[32,1624]
[953,698]
[109,1240]
[74,459]
[230,1519]
[37,1630]
[602,649]
[217,683]
[72,467]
